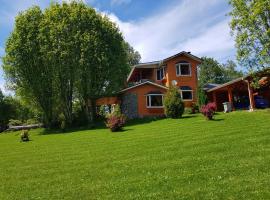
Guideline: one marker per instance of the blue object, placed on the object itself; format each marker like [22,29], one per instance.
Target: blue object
[260,102]
[242,103]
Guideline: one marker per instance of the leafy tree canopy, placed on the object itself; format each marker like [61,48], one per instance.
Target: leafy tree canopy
[67,51]
[211,71]
[251,25]
[134,56]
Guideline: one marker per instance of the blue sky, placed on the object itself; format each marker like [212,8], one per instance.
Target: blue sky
[156,28]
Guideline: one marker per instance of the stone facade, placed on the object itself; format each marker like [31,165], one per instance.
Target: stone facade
[129,105]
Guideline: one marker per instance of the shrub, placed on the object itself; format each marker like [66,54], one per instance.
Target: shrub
[116,122]
[194,108]
[202,98]
[102,111]
[173,104]
[31,121]
[208,110]
[15,122]
[25,136]
[187,111]
[212,106]
[116,110]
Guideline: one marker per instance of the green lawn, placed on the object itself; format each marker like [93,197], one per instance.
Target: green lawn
[188,158]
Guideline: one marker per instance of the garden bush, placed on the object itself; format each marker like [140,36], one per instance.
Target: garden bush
[209,110]
[173,104]
[15,122]
[194,108]
[116,120]
[32,121]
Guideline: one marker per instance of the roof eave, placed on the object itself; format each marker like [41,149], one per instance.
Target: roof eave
[146,82]
[228,83]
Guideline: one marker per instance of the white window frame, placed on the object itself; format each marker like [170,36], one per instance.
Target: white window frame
[181,92]
[150,106]
[163,69]
[178,65]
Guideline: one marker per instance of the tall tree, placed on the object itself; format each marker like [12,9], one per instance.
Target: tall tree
[103,64]
[230,71]
[210,71]
[134,56]
[25,66]
[65,51]
[251,25]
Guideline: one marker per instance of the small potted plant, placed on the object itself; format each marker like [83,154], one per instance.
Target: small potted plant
[25,136]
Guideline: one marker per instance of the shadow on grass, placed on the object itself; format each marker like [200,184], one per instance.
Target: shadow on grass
[189,116]
[140,121]
[96,126]
[217,120]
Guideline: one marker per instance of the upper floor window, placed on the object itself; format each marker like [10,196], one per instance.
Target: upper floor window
[160,73]
[183,69]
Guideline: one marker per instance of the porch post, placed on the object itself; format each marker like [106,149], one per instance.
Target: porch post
[214,97]
[251,97]
[230,97]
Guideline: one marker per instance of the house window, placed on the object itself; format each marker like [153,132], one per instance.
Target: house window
[186,93]
[183,69]
[160,73]
[154,100]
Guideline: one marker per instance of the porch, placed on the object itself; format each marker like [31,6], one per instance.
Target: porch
[241,94]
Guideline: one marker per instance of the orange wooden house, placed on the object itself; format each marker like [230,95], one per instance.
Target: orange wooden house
[148,82]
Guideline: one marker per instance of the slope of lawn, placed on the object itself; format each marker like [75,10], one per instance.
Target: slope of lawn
[189,158]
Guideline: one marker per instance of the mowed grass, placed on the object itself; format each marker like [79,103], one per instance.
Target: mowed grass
[189,158]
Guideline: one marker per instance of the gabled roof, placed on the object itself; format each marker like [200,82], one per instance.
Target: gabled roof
[146,82]
[156,64]
[188,54]
[228,83]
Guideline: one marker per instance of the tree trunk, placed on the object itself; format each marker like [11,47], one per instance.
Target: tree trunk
[93,109]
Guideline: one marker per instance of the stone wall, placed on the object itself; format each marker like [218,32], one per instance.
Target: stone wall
[129,105]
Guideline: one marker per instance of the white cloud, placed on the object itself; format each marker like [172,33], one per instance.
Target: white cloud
[180,27]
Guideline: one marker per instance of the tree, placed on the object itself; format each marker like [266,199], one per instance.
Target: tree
[201,95]
[211,71]
[173,104]
[230,71]
[65,52]
[24,65]
[251,25]
[12,108]
[134,56]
